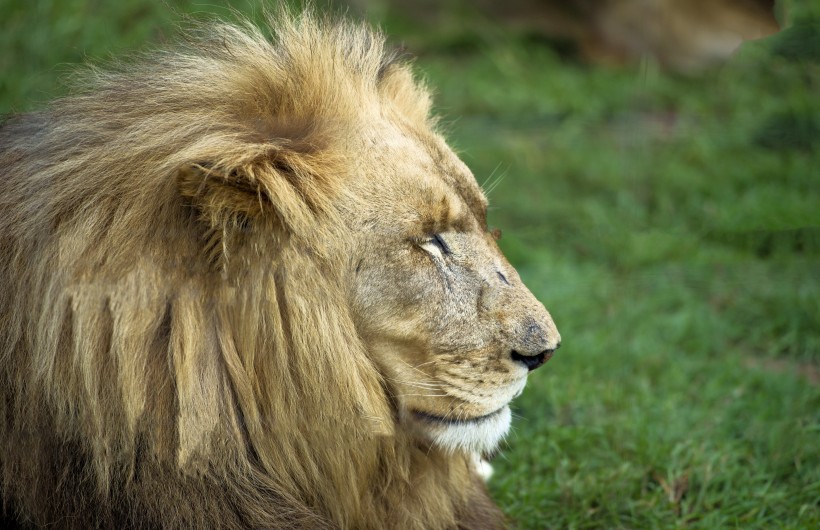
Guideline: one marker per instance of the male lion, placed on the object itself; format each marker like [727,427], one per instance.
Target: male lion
[246,284]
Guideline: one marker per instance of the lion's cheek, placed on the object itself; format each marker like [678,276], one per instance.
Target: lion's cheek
[396,300]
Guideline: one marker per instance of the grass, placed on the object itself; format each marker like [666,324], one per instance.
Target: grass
[671,226]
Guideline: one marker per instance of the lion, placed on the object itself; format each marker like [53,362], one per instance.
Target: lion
[247,284]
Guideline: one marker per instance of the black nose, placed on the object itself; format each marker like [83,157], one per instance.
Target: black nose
[533,361]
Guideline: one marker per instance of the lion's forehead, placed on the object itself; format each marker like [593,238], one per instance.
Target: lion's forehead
[427,175]
[452,171]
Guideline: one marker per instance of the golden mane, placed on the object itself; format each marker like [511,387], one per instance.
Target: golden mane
[157,371]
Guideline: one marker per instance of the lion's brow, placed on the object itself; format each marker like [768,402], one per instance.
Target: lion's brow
[470,195]
[453,176]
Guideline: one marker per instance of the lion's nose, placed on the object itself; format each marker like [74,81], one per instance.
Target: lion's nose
[534,361]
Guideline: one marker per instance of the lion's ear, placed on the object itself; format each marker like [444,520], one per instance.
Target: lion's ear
[221,196]
[226,203]
[287,186]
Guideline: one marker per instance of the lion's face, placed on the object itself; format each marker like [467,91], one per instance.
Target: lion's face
[440,308]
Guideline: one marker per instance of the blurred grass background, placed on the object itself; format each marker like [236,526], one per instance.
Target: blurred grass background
[671,224]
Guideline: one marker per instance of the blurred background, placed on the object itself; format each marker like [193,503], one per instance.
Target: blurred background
[654,166]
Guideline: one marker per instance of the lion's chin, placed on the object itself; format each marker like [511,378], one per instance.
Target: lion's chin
[477,435]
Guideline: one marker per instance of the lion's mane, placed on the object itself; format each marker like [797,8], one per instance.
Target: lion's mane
[154,370]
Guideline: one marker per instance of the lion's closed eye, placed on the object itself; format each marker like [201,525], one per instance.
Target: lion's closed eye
[438,240]
[436,246]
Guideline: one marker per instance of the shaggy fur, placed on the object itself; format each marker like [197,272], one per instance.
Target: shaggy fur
[177,346]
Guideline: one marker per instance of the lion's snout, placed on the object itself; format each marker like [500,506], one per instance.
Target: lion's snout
[531,362]
[538,349]
[535,340]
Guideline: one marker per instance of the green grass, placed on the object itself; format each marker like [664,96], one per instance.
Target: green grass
[671,226]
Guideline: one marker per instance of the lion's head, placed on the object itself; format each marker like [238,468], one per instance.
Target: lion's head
[439,308]
[247,283]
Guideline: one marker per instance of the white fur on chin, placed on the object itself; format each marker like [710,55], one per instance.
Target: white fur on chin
[474,437]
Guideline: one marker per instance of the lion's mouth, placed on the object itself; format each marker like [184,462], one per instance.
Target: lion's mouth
[445,420]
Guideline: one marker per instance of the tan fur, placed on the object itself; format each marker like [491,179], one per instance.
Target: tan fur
[216,296]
